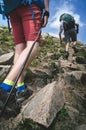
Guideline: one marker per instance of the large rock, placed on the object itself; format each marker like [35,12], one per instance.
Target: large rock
[81,127]
[4,69]
[6,58]
[67,65]
[75,77]
[43,107]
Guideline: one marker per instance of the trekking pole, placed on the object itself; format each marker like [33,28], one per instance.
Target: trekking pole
[20,72]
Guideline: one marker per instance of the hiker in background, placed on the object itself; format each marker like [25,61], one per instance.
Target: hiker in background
[25,31]
[71,29]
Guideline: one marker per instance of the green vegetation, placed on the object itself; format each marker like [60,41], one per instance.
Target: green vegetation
[6,39]
[62,115]
[30,125]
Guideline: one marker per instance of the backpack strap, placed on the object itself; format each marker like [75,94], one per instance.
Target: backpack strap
[3,14]
[24,2]
[38,2]
[2,9]
[8,22]
[31,8]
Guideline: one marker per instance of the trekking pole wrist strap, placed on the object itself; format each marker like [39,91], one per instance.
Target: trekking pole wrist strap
[46,13]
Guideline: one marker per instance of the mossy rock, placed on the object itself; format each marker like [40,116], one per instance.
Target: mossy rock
[62,50]
[82,52]
[83,79]
[56,56]
[81,60]
[81,56]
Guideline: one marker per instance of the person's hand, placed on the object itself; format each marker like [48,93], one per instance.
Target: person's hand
[44,21]
[45,18]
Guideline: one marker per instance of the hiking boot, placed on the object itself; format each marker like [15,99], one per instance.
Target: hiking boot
[9,111]
[3,95]
[66,54]
[21,96]
[75,49]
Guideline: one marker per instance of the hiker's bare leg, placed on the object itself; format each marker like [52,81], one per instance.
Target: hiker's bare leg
[18,50]
[16,68]
[67,47]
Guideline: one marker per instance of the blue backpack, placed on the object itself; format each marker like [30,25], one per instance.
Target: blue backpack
[68,21]
[6,6]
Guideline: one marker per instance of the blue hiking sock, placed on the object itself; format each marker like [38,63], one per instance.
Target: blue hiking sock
[7,85]
[21,87]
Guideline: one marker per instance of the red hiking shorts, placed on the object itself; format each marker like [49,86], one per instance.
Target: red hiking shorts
[23,26]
